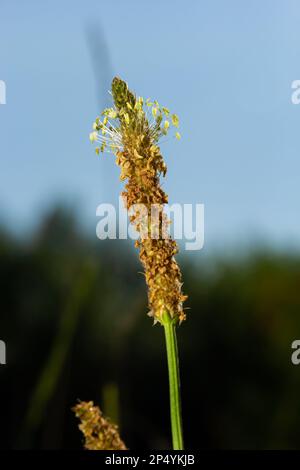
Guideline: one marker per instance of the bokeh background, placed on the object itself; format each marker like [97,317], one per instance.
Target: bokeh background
[73,308]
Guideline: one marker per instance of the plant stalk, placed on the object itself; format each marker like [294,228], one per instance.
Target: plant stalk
[174,382]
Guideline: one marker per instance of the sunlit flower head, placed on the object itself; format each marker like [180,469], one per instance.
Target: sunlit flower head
[138,118]
[132,130]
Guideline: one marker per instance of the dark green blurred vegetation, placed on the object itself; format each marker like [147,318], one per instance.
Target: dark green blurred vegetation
[73,316]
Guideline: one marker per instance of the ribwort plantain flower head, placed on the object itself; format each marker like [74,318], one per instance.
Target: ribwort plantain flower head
[132,130]
[99,432]
[132,121]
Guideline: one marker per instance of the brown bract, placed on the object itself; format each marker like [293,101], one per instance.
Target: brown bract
[157,249]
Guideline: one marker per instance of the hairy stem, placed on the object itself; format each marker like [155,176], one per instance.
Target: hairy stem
[174,382]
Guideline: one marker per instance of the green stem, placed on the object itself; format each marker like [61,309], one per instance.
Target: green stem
[174,382]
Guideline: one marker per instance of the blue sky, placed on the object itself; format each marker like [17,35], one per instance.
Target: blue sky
[226,68]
